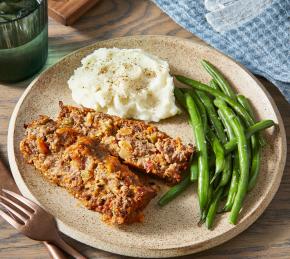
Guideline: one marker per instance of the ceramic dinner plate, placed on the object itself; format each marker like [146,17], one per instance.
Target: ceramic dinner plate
[173,229]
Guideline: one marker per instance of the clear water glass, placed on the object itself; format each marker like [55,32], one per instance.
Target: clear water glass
[23,38]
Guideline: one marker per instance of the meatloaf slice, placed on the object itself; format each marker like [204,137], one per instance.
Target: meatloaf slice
[84,167]
[137,143]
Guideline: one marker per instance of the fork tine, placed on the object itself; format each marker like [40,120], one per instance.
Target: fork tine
[13,212]
[10,220]
[25,211]
[21,198]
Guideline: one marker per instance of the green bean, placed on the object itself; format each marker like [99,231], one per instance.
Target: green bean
[200,107]
[246,104]
[214,84]
[234,104]
[219,78]
[218,151]
[194,169]
[205,210]
[203,172]
[218,177]
[234,185]
[228,165]
[179,96]
[213,209]
[217,147]
[174,191]
[256,152]
[231,135]
[243,159]
[255,167]
[248,140]
[228,128]
[202,217]
[212,115]
[250,154]
[194,163]
[259,126]
[227,172]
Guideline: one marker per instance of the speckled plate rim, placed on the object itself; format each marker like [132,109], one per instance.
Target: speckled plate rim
[157,253]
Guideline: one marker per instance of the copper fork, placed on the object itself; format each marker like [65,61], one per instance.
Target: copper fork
[33,221]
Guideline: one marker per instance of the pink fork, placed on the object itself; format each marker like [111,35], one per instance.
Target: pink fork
[33,221]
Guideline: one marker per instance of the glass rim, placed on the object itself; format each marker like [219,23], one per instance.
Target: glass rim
[22,17]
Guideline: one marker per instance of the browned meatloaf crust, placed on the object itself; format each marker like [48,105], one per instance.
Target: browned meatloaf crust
[85,168]
[138,144]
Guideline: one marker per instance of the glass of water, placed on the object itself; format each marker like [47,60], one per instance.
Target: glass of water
[23,38]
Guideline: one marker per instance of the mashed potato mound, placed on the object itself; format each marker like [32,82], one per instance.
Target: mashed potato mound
[129,83]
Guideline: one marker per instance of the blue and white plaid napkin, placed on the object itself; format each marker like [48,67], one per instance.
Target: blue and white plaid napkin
[254,32]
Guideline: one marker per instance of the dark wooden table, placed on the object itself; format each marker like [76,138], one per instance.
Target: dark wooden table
[269,237]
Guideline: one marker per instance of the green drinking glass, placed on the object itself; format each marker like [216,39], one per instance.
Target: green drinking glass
[23,38]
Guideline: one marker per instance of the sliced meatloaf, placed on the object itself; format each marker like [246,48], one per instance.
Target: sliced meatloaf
[137,143]
[85,168]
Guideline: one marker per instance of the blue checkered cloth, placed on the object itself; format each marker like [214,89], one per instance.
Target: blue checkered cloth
[257,37]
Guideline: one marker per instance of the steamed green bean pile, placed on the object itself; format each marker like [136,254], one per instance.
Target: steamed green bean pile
[229,144]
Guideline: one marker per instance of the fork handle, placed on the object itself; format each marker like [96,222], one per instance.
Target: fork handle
[54,251]
[8,183]
[67,248]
